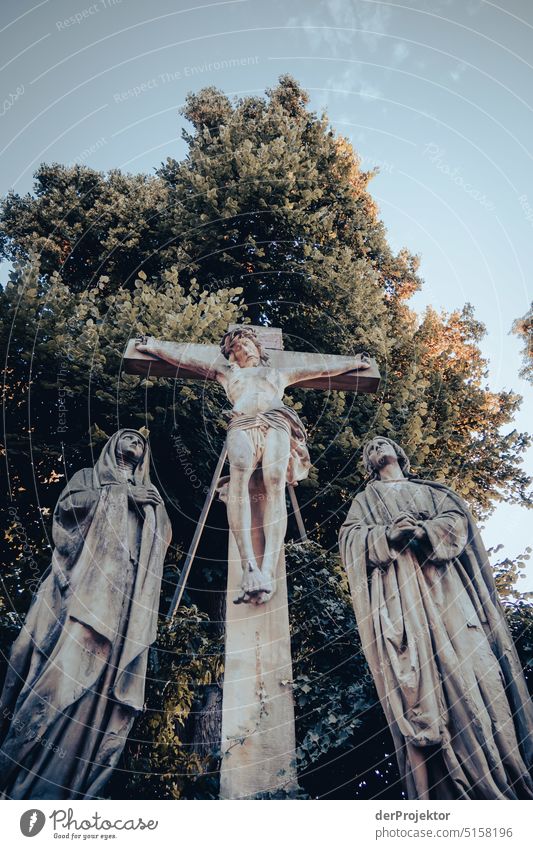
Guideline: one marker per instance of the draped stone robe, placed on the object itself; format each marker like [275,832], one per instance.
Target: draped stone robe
[439,649]
[76,675]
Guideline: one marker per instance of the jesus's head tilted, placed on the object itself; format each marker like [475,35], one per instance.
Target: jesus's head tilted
[242,346]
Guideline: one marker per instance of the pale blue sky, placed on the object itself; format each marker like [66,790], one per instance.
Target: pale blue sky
[436,92]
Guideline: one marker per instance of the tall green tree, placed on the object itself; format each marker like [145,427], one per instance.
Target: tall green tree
[269,218]
[523,327]
[85,224]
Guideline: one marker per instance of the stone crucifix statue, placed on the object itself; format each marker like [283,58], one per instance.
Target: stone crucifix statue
[262,431]
[266,449]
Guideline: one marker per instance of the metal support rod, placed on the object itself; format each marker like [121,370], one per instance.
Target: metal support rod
[180,587]
[297,514]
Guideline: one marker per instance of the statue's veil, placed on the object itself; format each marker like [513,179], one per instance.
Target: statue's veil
[106,469]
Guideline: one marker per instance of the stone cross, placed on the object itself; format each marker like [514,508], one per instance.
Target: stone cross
[258,735]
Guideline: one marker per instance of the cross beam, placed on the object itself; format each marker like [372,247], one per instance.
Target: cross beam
[136,362]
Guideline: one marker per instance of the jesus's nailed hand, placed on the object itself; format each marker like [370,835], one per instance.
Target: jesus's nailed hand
[364,360]
[146,345]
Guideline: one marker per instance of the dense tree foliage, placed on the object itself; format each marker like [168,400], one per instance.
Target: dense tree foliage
[86,225]
[269,218]
[523,327]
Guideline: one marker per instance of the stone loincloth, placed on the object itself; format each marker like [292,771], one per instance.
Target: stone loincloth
[256,427]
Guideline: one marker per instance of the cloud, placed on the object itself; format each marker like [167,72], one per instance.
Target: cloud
[339,22]
[458,72]
[474,6]
[400,51]
[370,92]
[349,83]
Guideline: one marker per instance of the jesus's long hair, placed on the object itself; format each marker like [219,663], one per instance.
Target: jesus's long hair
[243,332]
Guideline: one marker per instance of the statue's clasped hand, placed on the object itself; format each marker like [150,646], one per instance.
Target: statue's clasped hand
[405,529]
[140,495]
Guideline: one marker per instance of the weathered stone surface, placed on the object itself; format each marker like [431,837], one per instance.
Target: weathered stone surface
[76,673]
[258,738]
[435,637]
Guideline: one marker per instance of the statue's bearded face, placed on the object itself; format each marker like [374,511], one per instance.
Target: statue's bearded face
[130,446]
[244,352]
[380,452]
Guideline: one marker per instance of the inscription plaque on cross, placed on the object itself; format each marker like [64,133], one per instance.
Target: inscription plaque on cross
[266,449]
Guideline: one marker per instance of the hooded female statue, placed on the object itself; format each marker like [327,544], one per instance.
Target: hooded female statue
[435,637]
[76,675]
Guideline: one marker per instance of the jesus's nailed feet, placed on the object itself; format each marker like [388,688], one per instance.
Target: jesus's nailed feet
[256,588]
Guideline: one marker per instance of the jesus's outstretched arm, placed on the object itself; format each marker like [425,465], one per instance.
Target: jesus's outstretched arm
[199,358]
[330,367]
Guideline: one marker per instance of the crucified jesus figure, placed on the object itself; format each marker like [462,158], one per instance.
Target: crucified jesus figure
[262,431]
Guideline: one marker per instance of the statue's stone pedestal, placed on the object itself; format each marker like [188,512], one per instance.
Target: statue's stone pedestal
[258,739]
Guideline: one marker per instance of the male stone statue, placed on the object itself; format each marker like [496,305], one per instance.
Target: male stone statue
[76,673]
[435,637]
[262,430]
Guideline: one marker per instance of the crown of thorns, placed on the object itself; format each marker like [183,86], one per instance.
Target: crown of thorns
[242,333]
